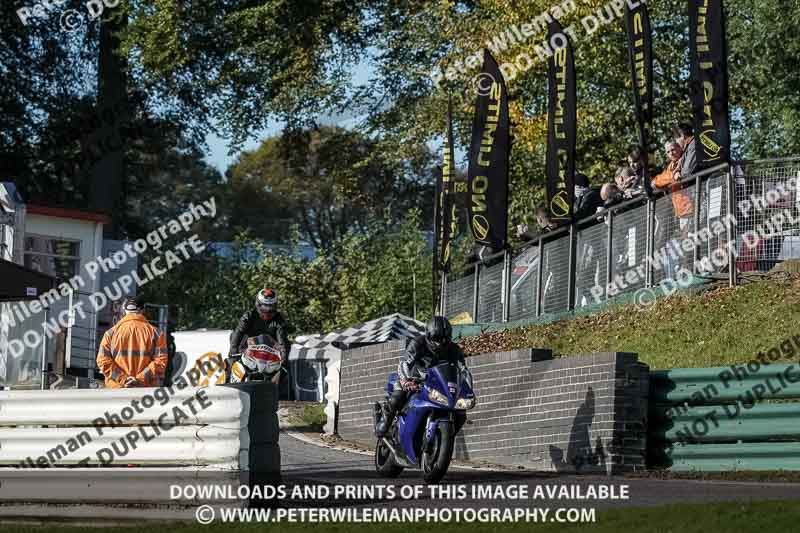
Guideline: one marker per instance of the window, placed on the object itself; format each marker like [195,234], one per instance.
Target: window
[55,257]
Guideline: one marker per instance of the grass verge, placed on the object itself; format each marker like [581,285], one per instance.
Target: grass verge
[774,516]
[304,416]
[717,327]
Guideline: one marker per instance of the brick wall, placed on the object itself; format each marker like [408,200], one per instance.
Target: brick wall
[584,413]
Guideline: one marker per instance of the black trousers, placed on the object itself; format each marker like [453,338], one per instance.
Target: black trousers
[398,398]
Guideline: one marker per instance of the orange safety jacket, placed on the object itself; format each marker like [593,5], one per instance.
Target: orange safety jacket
[681,202]
[133,347]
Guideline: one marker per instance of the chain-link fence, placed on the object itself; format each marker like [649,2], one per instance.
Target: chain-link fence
[747,214]
[591,267]
[766,209]
[554,293]
[490,294]
[524,283]
[460,296]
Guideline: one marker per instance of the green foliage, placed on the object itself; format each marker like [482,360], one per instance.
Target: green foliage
[255,63]
[365,276]
[328,181]
[376,274]
[314,415]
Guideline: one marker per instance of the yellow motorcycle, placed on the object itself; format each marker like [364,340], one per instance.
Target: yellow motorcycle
[261,360]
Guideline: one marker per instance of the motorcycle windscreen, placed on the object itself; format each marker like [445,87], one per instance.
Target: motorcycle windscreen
[264,339]
[447,374]
[262,354]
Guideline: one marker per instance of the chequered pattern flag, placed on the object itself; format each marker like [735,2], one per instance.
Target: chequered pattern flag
[387,328]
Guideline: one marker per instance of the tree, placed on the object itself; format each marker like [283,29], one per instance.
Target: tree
[331,181]
[244,62]
[386,269]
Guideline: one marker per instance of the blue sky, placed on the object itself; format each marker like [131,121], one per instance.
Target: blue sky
[218,147]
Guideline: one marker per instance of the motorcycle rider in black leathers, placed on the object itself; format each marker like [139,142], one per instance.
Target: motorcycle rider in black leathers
[264,319]
[434,347]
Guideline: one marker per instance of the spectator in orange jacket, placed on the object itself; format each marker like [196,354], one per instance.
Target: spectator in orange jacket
[681,202]
[133,353]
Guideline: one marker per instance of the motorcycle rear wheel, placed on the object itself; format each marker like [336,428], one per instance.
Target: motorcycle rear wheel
[385,465]
[436,462]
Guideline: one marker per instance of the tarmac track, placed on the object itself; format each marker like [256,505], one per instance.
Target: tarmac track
[311,465]
[305,463]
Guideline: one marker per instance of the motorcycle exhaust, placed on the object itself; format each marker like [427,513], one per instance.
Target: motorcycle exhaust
[389,445]
[399,459]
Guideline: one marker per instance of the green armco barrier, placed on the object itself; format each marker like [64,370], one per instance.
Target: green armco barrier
[728,457]
[725,418]
[733,422]
[720,384]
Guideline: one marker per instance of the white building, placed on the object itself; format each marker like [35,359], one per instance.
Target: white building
[58,242]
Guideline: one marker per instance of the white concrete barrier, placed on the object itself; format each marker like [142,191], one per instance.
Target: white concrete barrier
[81,406]
[142,426]
[135,445]
[139,445]
[332,396]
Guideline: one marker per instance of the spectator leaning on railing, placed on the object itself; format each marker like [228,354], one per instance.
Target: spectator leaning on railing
[670,177]
[610,194]
[684,136]
[628,182]
[544,221]
[636,164]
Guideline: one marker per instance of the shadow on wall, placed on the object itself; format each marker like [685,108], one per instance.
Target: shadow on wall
[580,456]
[461,446]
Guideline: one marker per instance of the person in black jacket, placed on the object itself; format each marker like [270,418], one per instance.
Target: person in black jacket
[264,319]
[436,346]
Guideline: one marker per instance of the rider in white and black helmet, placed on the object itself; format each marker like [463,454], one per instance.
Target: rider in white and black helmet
[263,319]
[434,347]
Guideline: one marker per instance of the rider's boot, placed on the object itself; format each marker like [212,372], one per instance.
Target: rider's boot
[392,406]
[385,423]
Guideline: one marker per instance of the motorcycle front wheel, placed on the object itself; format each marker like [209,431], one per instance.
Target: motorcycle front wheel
[385,465]
[436,461]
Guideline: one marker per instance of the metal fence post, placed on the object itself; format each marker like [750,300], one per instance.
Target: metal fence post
[443,295]
[45,384]
[70,324]
[730,233]
[609,253]
[506,297]
[573,235]
[651,242]
[696,248]
[539,273]
[476,283]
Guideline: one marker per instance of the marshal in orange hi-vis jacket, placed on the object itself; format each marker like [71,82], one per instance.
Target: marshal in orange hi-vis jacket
[133,348]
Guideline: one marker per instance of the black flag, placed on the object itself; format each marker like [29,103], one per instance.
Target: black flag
[708,86]
[445,209]
[561,124]
[640,55]
[488,158]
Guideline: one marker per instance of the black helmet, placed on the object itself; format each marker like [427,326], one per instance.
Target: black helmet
[133,304]
[438,333]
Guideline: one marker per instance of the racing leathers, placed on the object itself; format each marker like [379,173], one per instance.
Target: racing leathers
[251,325]
[417,357]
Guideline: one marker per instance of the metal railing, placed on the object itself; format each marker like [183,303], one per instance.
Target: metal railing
[746,214]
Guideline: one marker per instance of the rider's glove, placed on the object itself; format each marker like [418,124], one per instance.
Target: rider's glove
[409,385]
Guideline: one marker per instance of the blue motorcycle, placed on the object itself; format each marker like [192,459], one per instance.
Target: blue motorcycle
[424,431]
